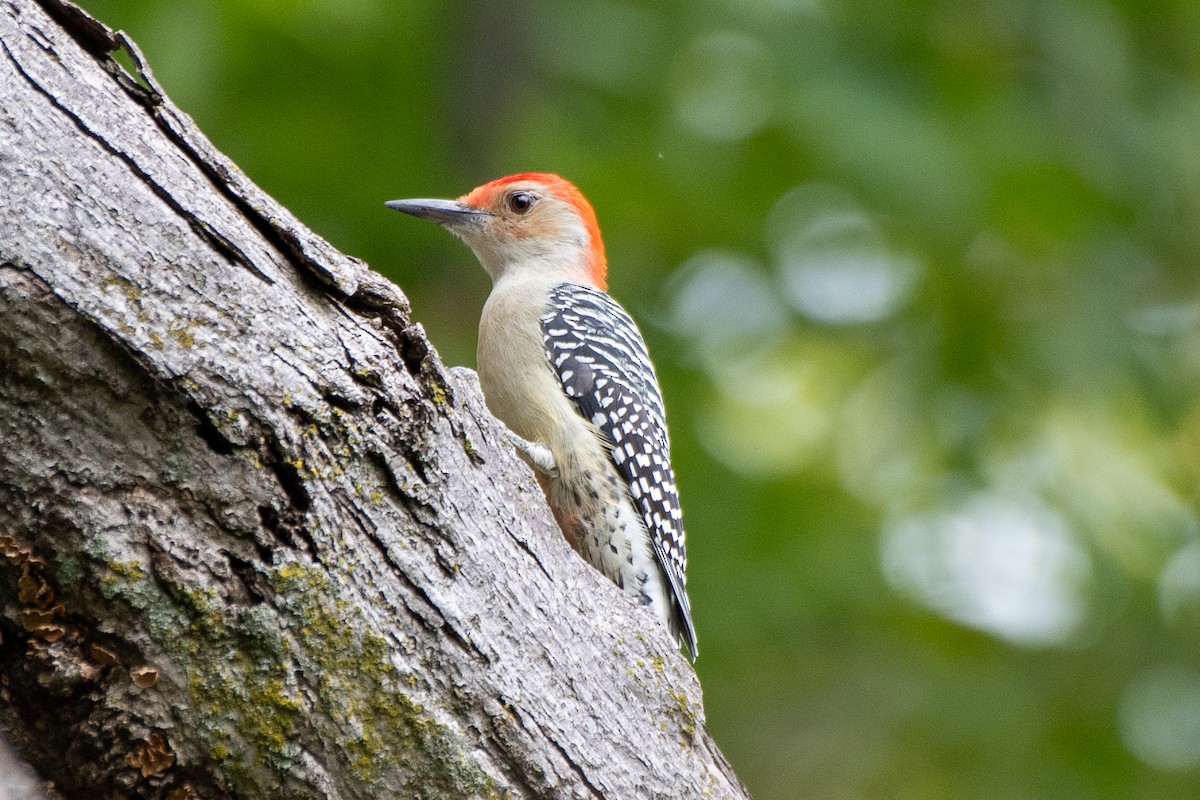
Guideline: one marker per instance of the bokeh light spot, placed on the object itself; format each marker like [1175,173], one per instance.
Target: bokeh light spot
[1005,566]
[723,85]
[722,305]
[772,413]
[1179,586]
[833,260]
[1160,717]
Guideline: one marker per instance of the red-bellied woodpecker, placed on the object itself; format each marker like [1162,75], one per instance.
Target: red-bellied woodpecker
[566,369]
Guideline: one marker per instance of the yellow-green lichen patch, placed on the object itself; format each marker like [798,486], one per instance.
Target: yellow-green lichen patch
[129,570]
[360,688]
[263,679]
[243,695]
[688,713]
[131,292]
[128,581]
[239,679]
[373,494]
[183,336]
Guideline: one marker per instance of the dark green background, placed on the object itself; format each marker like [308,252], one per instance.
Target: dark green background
[920,280]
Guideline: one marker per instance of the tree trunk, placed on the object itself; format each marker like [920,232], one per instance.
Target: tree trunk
[255,541]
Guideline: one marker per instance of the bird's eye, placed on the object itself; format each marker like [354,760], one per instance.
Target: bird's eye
[520,202]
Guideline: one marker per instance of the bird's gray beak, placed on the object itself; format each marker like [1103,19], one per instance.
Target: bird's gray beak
[450,213]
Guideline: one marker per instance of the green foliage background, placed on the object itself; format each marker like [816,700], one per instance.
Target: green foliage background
[920,280]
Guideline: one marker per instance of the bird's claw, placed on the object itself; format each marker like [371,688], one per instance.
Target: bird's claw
[537,455]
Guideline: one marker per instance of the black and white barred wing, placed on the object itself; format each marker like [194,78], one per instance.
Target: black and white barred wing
[598,353]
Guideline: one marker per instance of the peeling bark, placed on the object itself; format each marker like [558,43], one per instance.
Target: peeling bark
[255,540]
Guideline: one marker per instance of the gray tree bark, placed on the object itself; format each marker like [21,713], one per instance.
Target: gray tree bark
[255,540]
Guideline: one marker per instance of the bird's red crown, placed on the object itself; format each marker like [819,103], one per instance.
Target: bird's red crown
[487,195]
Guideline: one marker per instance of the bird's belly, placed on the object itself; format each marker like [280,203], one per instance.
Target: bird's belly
[603,526]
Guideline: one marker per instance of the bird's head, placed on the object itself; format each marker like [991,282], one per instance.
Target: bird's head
[534,221]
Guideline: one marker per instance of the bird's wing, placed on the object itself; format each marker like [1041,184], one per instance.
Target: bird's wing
[599,355]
